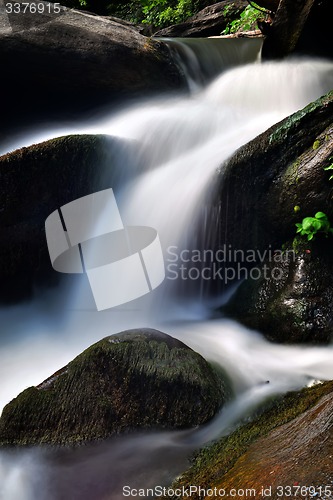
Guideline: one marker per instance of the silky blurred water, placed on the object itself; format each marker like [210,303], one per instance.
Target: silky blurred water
[183,141]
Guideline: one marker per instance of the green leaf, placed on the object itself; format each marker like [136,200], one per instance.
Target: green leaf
[317,225]
[307,222]
[310,237]
[320,215]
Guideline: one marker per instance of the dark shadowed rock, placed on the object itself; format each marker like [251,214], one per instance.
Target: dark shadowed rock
[210,21]
[70,60]
[139,379]
[270,5]
[287,27]
[293,302]
[277,449]
[264,181]
[37,180]
[279,169]
[300,27]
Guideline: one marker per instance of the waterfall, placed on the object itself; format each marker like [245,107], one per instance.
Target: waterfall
[202,59]
[183,140]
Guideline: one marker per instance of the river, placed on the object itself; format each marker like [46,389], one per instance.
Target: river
[183,140]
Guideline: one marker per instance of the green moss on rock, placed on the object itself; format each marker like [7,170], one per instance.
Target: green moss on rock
[258,187]
[220,465]
[134,380]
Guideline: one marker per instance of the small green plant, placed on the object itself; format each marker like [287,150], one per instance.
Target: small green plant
[245,22]
[311,226]
[330,167]
[226,10]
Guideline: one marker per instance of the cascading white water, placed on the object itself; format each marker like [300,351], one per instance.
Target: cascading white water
[202,59]
[183,141]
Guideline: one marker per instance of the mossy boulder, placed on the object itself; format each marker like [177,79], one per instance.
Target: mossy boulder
[37,180]
[292,300]
[257,189]
[138,379]
[271,184]
[277,448]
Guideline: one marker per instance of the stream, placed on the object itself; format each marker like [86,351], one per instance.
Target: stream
[183,140]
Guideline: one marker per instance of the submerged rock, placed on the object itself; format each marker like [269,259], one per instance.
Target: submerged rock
[138,379]
[276,450]
[37,180]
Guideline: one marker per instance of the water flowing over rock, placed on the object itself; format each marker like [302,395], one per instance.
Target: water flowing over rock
[279,169]
[210,21]
[35,182]
[282,169]
[273,454]
[139,379]
[70,60]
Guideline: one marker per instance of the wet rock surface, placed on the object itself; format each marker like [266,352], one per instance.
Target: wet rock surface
[279,169]
[68,62]
[37,180]
[292,303]
[289,445]
[138,379]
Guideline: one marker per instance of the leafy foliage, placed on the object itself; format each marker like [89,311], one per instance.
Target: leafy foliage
[330,167]
[163,12]
[247,19]
[158,13]
[311,226]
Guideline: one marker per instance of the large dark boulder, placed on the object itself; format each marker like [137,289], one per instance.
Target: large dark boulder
[265,179]
[210,21]
[273,454]
[63,62]
[271,184]
[300,27]
[139,379]
[37,180]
